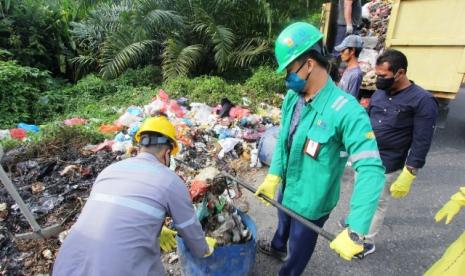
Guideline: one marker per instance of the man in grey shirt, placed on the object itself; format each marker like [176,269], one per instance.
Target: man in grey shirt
[349,17]
[350,49]
[116,233]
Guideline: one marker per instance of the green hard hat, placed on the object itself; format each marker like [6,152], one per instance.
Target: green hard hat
[294,41]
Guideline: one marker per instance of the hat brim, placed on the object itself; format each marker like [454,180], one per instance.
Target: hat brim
[340,48]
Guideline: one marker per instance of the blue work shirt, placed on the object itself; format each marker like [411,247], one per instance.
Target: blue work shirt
[351,81]
[403,124]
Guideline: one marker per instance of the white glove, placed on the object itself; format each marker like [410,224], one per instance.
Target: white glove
[349,29]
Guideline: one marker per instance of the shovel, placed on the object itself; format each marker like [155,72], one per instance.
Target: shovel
[37,231]
[329,236]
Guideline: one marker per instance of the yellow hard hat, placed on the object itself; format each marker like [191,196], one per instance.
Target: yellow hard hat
[161,125]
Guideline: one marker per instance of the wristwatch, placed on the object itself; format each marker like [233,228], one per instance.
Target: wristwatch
[412,170]
[356,237]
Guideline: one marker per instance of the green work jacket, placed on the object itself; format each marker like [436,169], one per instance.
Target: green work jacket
[337,127]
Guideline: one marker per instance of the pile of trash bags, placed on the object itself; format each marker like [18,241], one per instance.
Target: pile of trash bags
[377,13]
[228,137]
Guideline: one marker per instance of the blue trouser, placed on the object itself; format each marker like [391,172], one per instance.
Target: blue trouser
[301,241]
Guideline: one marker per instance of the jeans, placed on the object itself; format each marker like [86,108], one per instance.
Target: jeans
[301,242]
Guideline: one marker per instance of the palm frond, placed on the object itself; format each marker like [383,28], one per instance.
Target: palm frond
[249,52]
[179,59]
[120,52]
[83,65]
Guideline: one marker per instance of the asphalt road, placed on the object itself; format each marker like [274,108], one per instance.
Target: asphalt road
[410,240]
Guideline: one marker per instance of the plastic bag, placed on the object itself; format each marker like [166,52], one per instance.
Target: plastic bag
[75,121]
[267,145]
[198,189]
[227,145]
[105,145]
[135,110]
[176,109]
[200,114]
[121,146]
[154,107]
[18,133]
[127,119]
[238,112]
[29,128]
[109,128]
[4,134]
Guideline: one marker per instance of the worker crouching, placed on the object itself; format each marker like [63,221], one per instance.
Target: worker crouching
[117,231]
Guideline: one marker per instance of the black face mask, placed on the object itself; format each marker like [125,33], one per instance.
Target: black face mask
[384,83]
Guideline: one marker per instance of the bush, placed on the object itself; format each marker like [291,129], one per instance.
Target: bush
[21,96]
[147,76]
[262,86]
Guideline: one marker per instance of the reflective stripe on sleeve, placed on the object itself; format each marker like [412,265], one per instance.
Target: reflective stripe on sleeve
[363,155]
[129,203]
[187,223]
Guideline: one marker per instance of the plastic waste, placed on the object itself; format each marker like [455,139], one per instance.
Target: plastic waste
[176,109]
[183,101]
[18,133]
[227,145]
[198,189]
[121,146]
[75,121]
[29,128]
[133,128]
[201,114]
[105,145]
[4,134]
[109,128]
[135,110]
[127,119]
[239,112]
[46,204]
[254,161]
[207,173]
[201,210]
[121,137]
[267,144]
[225,107]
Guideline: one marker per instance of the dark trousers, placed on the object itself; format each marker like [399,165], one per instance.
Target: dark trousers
[301,241]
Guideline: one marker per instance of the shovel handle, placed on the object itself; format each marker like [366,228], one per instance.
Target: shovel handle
[304,221]
[17,198]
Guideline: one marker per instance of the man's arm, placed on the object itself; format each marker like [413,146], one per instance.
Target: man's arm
[187,225]
[423,130]
[348,16]
[360,143]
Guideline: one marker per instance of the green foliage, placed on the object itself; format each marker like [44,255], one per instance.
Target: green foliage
[262,86]
[265,84]
[36,33]
[22,94]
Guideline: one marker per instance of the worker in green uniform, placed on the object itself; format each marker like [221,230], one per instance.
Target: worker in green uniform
[321,127]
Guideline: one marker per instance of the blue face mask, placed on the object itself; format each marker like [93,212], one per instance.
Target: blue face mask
[294,82]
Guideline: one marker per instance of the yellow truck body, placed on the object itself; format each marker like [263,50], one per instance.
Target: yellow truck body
[431,34]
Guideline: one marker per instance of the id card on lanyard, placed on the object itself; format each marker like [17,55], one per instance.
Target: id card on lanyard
[312,148]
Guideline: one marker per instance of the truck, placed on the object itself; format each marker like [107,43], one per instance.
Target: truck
[430,33]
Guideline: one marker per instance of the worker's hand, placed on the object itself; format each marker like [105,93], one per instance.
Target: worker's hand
[167,240]
[349,29]
[211,245]
[401,186]
[452,207]
[268,187]
[345,246]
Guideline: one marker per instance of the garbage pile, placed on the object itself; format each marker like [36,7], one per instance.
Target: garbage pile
[56,183]
[378,13]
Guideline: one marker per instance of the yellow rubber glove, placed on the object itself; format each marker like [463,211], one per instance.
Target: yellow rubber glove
[401,186]
[268,187]
[211,245]
[167,240]
[452,207]
[345,246]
